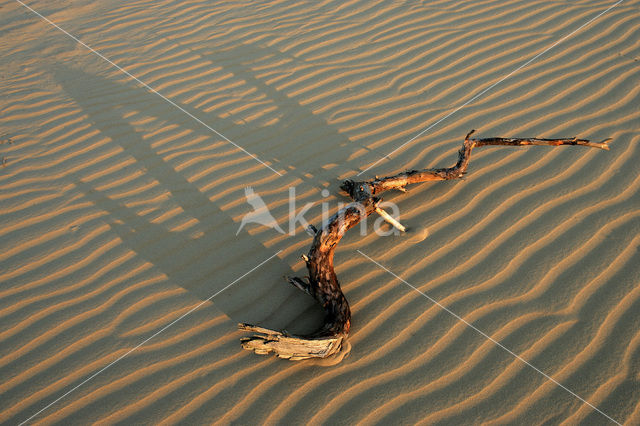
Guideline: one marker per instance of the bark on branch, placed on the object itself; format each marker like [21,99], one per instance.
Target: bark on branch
[322,283]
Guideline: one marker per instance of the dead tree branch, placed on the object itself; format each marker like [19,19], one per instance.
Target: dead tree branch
[322,283]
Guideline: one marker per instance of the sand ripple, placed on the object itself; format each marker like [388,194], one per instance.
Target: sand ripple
[118,213]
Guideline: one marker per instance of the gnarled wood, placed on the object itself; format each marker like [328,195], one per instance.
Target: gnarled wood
[322,282]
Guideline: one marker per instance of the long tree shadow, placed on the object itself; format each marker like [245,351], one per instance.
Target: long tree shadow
[323,143]
[205,263]
[201,262]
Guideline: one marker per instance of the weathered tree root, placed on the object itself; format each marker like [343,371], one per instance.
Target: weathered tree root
[322,283]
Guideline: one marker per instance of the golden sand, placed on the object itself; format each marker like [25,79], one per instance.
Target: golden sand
[119,212]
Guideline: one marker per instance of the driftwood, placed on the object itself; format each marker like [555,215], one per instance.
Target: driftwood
[322,283]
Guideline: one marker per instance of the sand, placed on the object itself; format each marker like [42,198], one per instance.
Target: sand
[119,211]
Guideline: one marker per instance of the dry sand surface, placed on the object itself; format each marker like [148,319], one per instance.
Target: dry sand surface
[119,212]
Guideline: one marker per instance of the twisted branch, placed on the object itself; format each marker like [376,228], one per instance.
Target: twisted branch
[322,283]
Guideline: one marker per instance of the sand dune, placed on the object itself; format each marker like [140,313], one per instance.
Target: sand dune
[119,212]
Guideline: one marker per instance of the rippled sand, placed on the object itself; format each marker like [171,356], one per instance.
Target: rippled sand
[119,212]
